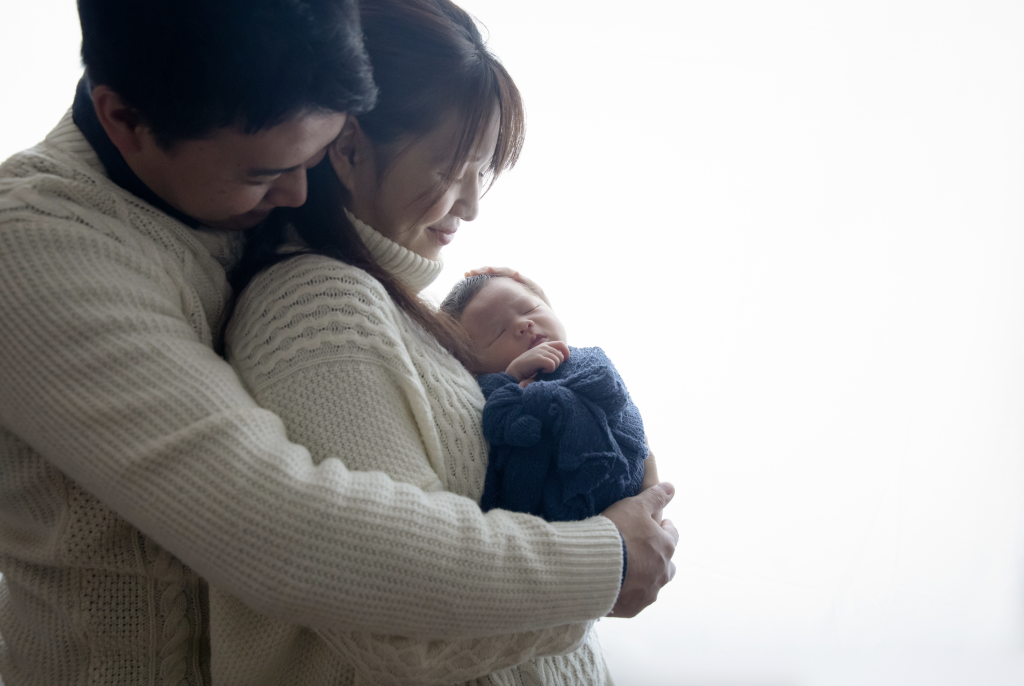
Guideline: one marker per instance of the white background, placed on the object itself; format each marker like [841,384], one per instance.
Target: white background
[798,229]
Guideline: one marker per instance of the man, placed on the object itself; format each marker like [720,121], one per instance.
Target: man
[134,466]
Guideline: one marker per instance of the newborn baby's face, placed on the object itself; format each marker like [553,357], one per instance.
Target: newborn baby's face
[504,320]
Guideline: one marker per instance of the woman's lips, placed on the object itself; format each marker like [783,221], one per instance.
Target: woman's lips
[443,236]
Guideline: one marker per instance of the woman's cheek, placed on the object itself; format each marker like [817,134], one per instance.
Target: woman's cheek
[441,208]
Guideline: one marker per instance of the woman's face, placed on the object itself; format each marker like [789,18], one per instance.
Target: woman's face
[403,204]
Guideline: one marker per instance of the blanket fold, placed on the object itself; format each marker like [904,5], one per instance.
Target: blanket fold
[565,447]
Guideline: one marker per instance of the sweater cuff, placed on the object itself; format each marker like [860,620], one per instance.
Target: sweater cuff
[589,549]
[624,560]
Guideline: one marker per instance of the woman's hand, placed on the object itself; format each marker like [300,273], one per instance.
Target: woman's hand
[545,357]
[512,274]
[650,470]
[650,476]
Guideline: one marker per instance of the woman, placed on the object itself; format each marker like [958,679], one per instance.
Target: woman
[330,334]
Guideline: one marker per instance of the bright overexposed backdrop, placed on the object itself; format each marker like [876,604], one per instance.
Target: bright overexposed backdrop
[797,227]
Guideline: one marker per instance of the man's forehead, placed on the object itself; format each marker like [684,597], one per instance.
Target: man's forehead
[286,145]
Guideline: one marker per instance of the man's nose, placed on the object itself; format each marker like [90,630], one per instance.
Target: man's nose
[289,189]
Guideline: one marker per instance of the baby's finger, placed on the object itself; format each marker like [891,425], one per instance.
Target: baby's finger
[552,360]
[562,349]
[550,349]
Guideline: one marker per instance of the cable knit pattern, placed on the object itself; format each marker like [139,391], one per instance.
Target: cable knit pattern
[124,438]
[321,343]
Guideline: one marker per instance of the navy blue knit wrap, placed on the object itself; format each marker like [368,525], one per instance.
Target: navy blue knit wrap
[565,447]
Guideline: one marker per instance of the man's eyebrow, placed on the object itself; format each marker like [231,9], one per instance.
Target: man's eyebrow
[272,172]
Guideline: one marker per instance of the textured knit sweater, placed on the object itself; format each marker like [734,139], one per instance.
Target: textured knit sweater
[568,445]
[134,464]
[321,344]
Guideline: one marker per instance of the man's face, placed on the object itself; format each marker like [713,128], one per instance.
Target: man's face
[504,320]
[232,180]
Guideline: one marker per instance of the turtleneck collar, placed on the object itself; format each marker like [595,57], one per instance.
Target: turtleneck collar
[415,271]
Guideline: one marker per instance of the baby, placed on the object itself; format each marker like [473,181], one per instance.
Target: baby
[566,440]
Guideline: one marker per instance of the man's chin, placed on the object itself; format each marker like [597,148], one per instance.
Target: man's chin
[241,222]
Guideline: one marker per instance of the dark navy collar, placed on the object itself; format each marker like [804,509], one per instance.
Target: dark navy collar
[84,115]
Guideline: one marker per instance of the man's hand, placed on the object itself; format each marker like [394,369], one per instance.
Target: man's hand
[545,357]
[649,548]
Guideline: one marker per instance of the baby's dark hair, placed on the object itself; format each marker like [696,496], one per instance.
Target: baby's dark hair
[462,293]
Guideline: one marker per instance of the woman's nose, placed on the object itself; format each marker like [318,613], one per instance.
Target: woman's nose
[467,205]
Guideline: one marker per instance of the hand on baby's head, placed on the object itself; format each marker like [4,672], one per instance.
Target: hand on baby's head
[511,328]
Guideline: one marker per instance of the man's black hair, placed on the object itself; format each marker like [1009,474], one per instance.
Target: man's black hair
[191,66]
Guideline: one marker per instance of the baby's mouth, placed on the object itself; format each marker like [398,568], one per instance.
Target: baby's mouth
[537,340]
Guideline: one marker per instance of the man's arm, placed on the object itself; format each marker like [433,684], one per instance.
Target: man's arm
[103,375]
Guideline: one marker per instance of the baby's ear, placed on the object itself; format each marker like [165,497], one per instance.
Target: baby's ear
[348,151]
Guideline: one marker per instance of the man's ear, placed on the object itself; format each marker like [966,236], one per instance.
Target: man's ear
[122,123]
[349,153]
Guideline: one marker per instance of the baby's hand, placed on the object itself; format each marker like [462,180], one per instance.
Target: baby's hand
[546,357]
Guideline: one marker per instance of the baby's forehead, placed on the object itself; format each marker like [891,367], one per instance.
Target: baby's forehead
[496,297]
[506,289]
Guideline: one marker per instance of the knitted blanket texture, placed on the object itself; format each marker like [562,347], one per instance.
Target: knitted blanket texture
[565,447]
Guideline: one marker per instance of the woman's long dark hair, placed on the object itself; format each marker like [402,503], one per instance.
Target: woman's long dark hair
[429,60]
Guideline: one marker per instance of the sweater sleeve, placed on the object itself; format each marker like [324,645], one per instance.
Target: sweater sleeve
[336,377]
[395,661]
[104,374]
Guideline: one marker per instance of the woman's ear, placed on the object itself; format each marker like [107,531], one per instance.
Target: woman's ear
[349,153]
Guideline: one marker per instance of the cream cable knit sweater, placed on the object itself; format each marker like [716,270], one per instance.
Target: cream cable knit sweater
[133,463]
[322,344]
